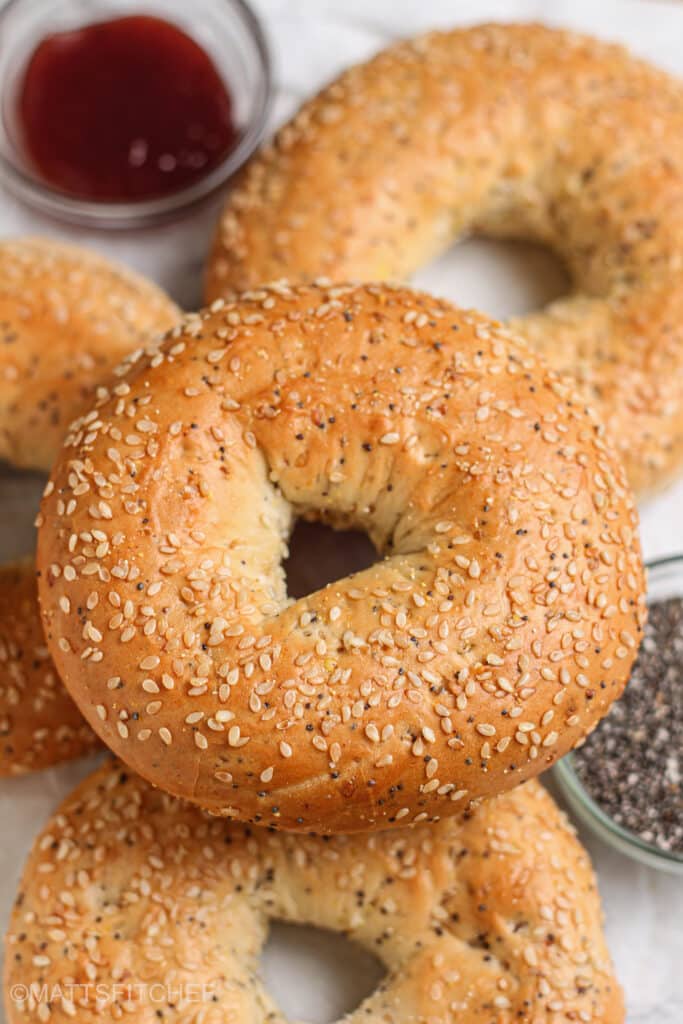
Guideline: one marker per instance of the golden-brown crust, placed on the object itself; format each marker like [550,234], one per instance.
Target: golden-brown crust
[512,131]
[130,894]
[67,317]
[492,637]
[40,725]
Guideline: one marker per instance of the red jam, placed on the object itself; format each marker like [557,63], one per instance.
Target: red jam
[122,110]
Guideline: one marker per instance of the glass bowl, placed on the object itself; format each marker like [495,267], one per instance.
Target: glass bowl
[665,579]
[226,29]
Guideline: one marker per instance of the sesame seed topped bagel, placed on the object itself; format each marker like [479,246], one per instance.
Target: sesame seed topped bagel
[517,131]
[40,725]
[67,317]
[135,906]
[500,624]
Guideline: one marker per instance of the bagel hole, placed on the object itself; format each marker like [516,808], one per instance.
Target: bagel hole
[319,555]
[317,976]
[501,277]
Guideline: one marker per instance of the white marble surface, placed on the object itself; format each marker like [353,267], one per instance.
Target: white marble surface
[312,40]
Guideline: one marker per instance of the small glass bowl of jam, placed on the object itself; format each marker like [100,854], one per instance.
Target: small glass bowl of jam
[120,114]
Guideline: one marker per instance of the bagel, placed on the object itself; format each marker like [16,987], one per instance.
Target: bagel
[500,625]
[40,725]
[67,317]
[130,895]
[510,131]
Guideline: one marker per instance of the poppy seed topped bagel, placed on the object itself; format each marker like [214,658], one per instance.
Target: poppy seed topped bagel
[496,630]
[134,906]
[511,131]
[67,317]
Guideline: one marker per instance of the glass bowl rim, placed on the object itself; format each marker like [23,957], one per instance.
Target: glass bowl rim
[592,814]
[41,196]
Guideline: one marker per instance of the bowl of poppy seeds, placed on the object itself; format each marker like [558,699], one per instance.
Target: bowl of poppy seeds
[626,780]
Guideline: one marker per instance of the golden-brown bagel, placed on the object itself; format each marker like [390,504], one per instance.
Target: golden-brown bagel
[39,723]
[67,317]
[513,131]
[141,900]
[497,630]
